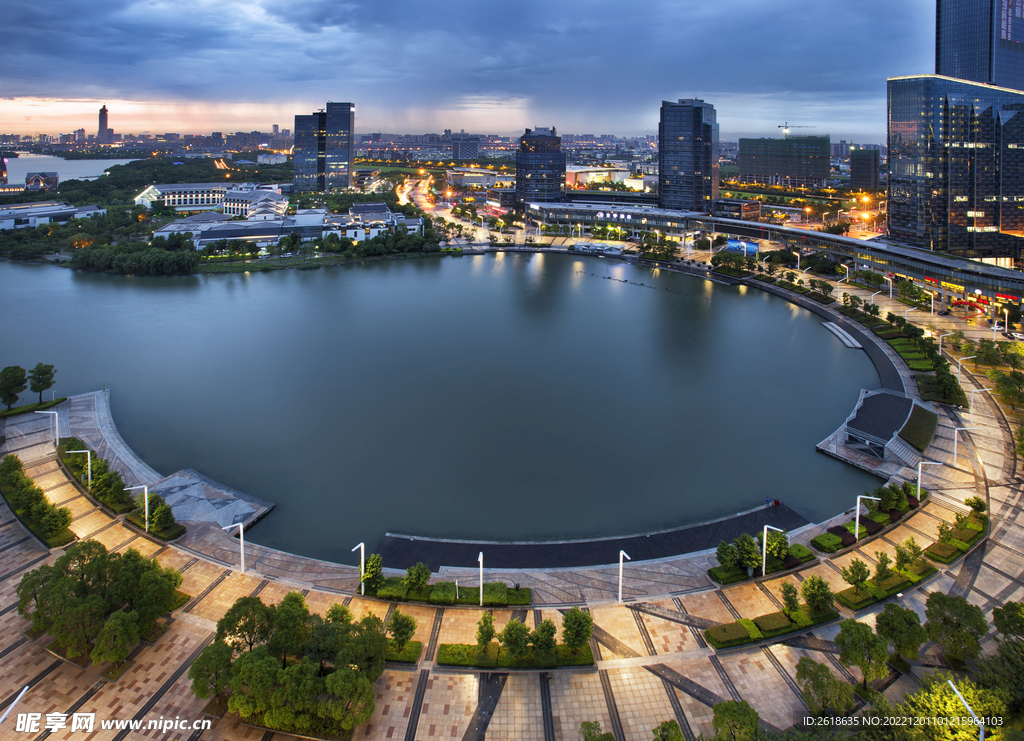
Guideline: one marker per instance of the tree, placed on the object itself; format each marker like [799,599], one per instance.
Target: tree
[162,517]
[515,639]
[351,701]
[883,570]
[748,554]
[116,638]
[291,627]
[778,544]
[12,383]
[726,554]
[373,570]
[577,628]
[1009,619]
[937,701]
[860,647]
[41,379]
[77,622]
[543,638]
[817,594]
[417,575]
[210,671]
[1006,670]
[790,598]
[485,631]
[956,625]
[856,574]
[401,627]
[821,689]
[591,731]
[246,624]
[735,721]
[908,553]
[365,645]
[668,731]
[901,628]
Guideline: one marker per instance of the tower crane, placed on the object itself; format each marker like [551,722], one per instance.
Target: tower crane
[786,127]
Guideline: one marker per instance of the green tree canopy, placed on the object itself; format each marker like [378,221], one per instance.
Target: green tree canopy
[117,637]
[401,627]
[247,623]
[956,625]
[821,689]
[12,383]
[901,628]
[41,379]
[735,721]
[210,671]
[860,647]
[577,628]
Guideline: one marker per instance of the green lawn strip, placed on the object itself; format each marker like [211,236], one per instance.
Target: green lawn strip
[62,538]
[496,594]
[793,287]
[29,408]
[408,655]
[723,575]
[468,654]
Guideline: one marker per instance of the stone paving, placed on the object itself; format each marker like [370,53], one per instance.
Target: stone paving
[639,699]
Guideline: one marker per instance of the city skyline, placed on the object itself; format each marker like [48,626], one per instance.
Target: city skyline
[583,68]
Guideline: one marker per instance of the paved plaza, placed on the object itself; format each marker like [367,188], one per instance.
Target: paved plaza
[653,663]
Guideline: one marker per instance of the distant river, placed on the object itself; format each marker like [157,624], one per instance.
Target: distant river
[507,396]
[23,164]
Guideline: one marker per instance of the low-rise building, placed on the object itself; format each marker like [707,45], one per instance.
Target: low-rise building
[208,196]
[24,215]
[46,182]
[271,159]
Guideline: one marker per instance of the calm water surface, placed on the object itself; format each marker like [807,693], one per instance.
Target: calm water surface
[18,167]
[497,397]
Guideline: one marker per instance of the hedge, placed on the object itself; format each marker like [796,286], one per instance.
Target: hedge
[772,621]
[730,634]
[942,552]
[468,654]
[827,542]
[747,631]
[801,552]
[724,575]
[844,534]
[855,599]
[393,588]
[965,535]
[408,655]
[496,594]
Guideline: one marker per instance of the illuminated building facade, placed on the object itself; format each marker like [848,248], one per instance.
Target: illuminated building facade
[540,168]
[981,41]
[325,149]
[687,155]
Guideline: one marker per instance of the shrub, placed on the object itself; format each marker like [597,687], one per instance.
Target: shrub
[976,503]
[393,588]
[942,552]
[730,634]
[772,621]
[443,593]
[965,534]
[854,599]
[893,584]
[723,575]
[827,542]
[801,552]
[752,629]
[845,535]
[495,594]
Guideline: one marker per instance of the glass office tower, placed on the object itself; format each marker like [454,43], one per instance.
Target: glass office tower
[981,41]
[540,168]
[956,167]
[687,155]
[325,149]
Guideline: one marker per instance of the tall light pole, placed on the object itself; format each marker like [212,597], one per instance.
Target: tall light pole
[241,541]
[847,278]
[873,296]
[56,427]
[940,341]
[88,459]
[956,440]
[764,547]
[480,559]
[890,284]
[932,294]
[856,526]
[765,263]
[923,463]
[362,567]
[972,401]
[16,699]
[907,312]
[981,726]
[804,274]
[622,554]
[145,494]
[960,365]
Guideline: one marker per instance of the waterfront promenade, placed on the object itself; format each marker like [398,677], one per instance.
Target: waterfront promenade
[653,664]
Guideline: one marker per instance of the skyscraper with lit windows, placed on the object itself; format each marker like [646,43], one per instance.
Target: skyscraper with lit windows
[687,155]
[981,41]
[325,149]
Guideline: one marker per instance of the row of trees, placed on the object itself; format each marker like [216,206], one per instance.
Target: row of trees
[516,639]
[96,602]
[29,501]
[745,551]
[289,669]
[14,380]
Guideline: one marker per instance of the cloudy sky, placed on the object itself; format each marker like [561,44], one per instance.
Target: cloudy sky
[584,66]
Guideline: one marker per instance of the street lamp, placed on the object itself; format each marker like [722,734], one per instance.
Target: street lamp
[847,278]
[362,567]
[981,726]
[972,401]
[622,554]
[873,296]
[940,341]
[241,541]
[890,284]
[88,454]
[908,311]
[960,365]
[923,463]
[856,526]
[804,273]
[56,427]
[932,294]
[480,559]
[956,440]
[764,547]
[765,263]
[145,494]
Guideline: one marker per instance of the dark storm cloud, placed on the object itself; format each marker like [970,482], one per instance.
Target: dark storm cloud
[572,60]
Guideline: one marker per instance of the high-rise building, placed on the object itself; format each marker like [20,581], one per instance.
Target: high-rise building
[864,168]
[465,149]
[540,167]
[795,162]
[325,149]
[981,41]
[103,134]
[687,155]
[956,167]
